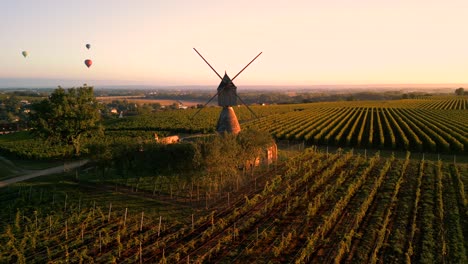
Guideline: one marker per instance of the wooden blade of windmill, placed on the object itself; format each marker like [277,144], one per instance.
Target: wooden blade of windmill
[207,63]
[247,66]
[251,111]
[205,104]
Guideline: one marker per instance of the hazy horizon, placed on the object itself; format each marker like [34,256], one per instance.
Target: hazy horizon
[12,83]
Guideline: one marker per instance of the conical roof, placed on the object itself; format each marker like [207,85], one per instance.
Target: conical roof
[228,122]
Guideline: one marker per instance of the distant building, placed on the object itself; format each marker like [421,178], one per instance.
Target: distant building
[180,105]
[268,157]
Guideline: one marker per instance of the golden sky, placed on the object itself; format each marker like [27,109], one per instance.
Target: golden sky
[303,42]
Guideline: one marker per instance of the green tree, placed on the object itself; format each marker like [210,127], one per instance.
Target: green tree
[11,109]
[66,116]
[253,143]
[218,156]
[144,109]
[460,91]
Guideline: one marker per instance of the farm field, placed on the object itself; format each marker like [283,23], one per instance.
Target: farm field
[421,125]
[141,100]
[436,125]
[316,207]
[348,200]
[432,125]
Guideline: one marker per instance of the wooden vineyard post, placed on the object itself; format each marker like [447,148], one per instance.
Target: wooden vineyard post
[193,224]
[100,242]
[66,229]
[125,217]
[94,207]
[109,215]
[35,215]
[65,206]
[141,259]
[82,232]
[212,220]
[141,222]
[159,227]
[234,232]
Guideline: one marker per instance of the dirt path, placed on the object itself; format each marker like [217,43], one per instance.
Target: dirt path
[58,169]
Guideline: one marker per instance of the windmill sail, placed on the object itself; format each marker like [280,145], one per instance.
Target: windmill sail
[227,97]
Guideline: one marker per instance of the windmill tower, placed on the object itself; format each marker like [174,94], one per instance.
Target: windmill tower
[227,97]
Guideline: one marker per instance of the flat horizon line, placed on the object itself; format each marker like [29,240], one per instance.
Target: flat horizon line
[382,85]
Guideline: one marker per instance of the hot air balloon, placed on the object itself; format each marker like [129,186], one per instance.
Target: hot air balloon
[88,63]
[88,46]
[25,53]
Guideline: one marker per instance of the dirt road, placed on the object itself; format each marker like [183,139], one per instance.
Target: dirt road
[58,169]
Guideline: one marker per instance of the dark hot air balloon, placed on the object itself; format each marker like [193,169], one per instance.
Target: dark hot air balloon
[25,53]
[88,63]
[88,46]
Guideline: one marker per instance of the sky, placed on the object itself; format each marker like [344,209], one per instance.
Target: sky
[304,42]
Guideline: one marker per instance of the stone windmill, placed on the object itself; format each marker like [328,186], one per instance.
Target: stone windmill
[227,97]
